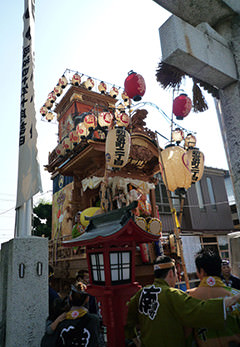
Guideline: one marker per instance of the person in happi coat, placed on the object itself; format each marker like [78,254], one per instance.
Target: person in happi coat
[208,264]
[159,312]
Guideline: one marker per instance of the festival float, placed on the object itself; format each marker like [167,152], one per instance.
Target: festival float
[106,159]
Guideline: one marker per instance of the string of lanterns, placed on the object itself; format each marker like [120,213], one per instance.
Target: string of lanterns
[134,89]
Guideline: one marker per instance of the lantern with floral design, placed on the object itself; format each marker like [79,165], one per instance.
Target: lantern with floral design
[60,150]
[49,116]
[182,106]
[117,147]
[82,130]
[175,172]
[52,97]
[190,141]
[48,104]
[113,92]
[57,90]
[122,119]
[177,135]
[67,144]
[102,87]
[43,110]
[134,86]
[89,83]
[62,82]
[74,137]
[76,79]
[105,119]
[90,121]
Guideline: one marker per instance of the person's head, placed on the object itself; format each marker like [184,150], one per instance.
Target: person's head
[226,268]
[164,268]
[58,306]
[208,263]
[78,295]
[82,276]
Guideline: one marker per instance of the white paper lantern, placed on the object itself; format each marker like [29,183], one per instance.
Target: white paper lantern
[57,90]
[117,150]
[82,130]
[52,97]
[195,160]
[62,82]
[178,173]
[113,92]
[74,137]
[49,116]
[67,144]
[105,119]
[76,79]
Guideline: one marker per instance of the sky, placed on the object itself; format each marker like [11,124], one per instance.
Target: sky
[103,39]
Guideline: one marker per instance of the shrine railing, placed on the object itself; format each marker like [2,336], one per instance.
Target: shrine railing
[58,253]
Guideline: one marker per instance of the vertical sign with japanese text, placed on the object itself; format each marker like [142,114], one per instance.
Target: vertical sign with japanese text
[29,180]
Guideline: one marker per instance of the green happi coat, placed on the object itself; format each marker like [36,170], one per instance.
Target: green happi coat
[162,312]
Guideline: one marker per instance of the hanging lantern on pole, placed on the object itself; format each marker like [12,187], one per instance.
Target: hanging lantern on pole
[190,141]
[117,147]
[194,158]
[177,135]
[182,105]
[175,172]
[134,86]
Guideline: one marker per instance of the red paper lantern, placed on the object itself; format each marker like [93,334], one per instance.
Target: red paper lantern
[134,86]
[182,105]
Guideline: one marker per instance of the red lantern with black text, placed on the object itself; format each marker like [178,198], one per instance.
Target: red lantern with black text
[134,86]
[182,105]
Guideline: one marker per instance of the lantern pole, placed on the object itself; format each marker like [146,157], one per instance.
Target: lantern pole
[177,225]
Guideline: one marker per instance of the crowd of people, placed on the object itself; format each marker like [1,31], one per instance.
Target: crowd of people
[159,315]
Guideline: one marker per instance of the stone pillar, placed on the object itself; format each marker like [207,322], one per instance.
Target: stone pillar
[23,291]
[228,113]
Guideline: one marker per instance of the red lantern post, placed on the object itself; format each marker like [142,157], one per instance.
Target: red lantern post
[182,105]
[134,86]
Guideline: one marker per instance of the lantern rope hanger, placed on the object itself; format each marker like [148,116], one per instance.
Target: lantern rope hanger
[166,117]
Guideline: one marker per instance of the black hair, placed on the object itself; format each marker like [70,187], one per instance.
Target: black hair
[162,273]
[57,307]
[209,261]
[81,274]
[78,294]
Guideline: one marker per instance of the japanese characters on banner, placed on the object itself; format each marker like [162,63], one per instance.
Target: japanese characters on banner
[29,180]
[118,143]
